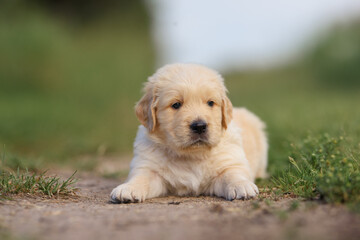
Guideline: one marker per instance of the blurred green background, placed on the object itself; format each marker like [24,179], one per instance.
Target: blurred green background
[71,72]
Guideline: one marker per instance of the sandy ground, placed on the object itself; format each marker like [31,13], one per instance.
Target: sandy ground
[92,216]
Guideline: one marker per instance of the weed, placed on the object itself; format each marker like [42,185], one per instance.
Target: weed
[322,167]
[268,202]
[294,205]
[256,204]
[26,182]
[282,215]
[23,181]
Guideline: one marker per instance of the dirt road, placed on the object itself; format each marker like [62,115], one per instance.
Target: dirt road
[91,216]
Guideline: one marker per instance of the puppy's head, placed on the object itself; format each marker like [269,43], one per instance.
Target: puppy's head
[185,107]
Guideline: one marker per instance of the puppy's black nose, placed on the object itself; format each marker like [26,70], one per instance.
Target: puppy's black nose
[198,127]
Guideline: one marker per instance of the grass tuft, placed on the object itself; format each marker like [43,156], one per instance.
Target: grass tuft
[322,167]
[23,181]
[26,182]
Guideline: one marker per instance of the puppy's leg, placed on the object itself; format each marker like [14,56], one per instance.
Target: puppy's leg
[140,186]
[234,183]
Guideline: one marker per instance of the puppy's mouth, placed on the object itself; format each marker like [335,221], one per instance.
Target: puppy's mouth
[198,142]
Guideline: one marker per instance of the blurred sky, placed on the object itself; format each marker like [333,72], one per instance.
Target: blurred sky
[238,34]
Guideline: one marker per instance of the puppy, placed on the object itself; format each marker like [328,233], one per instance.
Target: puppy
[192,141]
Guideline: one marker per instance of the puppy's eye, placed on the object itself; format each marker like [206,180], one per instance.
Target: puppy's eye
[210,103]
[176,105]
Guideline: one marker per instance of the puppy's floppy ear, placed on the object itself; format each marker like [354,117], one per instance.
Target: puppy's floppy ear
[226,110]
[145,109]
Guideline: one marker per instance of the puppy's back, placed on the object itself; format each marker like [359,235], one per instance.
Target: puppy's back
[254,140]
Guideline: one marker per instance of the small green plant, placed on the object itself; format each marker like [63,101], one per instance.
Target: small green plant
[26,182]
[322,167]
[294,205]
[256,204]
[23,181]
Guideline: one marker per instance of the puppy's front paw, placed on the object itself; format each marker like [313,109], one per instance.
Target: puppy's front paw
[125,193]
[243,189]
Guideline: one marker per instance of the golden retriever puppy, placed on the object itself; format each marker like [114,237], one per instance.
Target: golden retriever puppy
[192,141]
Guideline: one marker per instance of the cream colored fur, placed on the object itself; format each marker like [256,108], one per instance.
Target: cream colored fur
[167,159]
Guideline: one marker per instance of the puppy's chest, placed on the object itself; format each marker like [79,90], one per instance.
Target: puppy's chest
[186,177]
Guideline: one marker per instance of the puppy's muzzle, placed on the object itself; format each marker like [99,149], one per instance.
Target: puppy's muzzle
[198,127]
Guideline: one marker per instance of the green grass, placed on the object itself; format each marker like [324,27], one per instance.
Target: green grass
[23,181]
[26,182]
[293,106]
[302,118]
[322,167]
[67,91]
